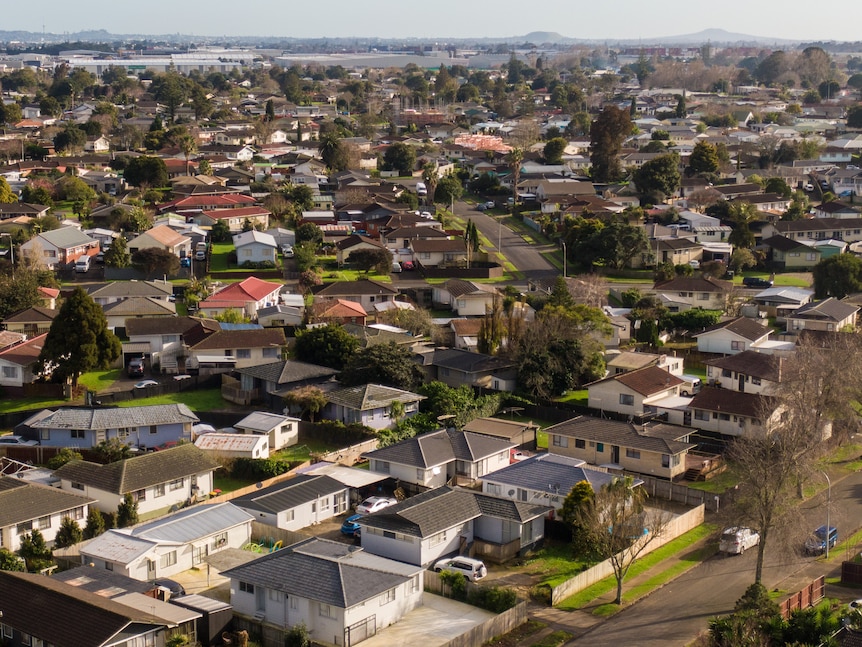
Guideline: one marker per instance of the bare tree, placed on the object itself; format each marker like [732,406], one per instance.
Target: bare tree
[589,289]
[620,527]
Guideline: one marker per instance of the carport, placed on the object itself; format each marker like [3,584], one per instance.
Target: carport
[133,349]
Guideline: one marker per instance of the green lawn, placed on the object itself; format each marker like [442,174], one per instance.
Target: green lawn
[345,274]
[717,485]
[578,397]
[100,380]
[555,563]
[25,404]
[218,256]
[554,639]
[301,453]
[227,483]
[789,280]
[200,400]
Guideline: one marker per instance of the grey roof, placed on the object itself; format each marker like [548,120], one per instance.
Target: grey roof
[140,306]
[141,471]
[742,326]
[126,289]
[658,438]
[99,419]
[498,508]
[441,447]
[66,237]
[101,581]
[262,421]
[830,309]
[371,396]
[428,513]
[289,494]
[460,288]
[287,372]
[354,288]
[549,473]
[468,362]
[23,501]
[325,571]
[117,546]
[193,523]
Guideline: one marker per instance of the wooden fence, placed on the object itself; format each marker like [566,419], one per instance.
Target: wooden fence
[675,527]
[807,597]
[663,489]
[349,455]
[500,624]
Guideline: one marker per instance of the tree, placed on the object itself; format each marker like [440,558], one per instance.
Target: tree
[554,149]
[387,364]
[95,524]
[112,450]
[401,158]
[9,561]
[854,117]
[607,134]
[779,186]
[308,232]
[79,340]
[580,496]
[20,292]
[153,261]
[308,399]
[232,316]
[297,636]
[220,232]
[118,255]
[328,345]
[34,551]
[703,158]
[448,189]
[68,534]
[493,328]
[514,159]
[70,140]
[742,214]
[560,295]
[742,259]
[417,321]
[333,152]
[146,171]
[658,178]
[65,455]
[619,526]
[837,276]
[378,259]
[6,195]
[127,512]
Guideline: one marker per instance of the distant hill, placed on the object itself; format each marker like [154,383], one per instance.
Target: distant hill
[715,36]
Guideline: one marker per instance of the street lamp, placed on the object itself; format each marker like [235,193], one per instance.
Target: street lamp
[828,503]
[11,251]
[564,259]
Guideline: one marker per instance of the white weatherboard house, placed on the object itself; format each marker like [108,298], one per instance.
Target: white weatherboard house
[341,593]
[297,503]
[156,481]
[234,445]
[172,544]
[282,431]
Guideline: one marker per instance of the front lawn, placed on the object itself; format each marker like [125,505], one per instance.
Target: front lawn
[302,453]
[219,253]
[199,400]
[578,396]
[100,380]
[555,563]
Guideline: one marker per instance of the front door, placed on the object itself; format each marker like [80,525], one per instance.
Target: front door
[615,454]
[741,382]
[260,598]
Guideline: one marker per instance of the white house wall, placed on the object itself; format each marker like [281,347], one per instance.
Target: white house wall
[11,538]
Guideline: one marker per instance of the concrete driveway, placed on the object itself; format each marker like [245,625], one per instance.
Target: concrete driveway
[436,622]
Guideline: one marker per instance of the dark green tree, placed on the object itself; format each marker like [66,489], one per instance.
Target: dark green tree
[220,232]
[95,524]
[330,346]
[742,214]
[112,450]
[560,295]
[155,262]
[554,149]
[118,255]
[9,561]
[68,534]
[837,276]
[65,455]
[333,152]
[680,107]
[579,496]
[607,134]
[779,186]
[854,117]
[377,259]
[19,292]
[658,178]
[448,189]
[79,340]
[399,157]
[146,171]
[310,233]
[127,512]
[387,364]
[703,158]
[35,552]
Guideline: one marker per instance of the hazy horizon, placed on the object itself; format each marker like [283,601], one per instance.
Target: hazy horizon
[444,19]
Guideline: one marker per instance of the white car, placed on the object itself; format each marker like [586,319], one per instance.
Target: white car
[6,441]
[375,503]
[145,384]
[735,541]
[287,251]
[473,569]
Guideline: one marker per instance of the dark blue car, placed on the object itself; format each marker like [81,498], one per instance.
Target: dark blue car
[350,527]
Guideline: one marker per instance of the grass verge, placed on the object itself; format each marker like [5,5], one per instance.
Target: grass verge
[554,639]
[517,635]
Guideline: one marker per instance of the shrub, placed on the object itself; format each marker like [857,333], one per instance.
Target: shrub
[255,469]
[297,636]
[457,583]
[495,599]
[62,457]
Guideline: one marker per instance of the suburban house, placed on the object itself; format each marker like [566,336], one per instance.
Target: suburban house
[342,594]
[297,503]
[455,367]
[235,217]
[116,291]
[353,243]
[732,336]
[172,544]
[466,332]
[782,300]
[465,298]
[654,449]
[678,251]
[147,426]
[164,238]
[25,506]
[398,240]
[371,405]
[223,446]
[282,431]
[789,254]
[633,392]
[683,292]
[847,229]
[829,314]
[748,372]
[365,292]
[543,480]
[32,321]
[339,311]
[57,248]
[627,361]
[18,364]
[255,247]
[439,457]
[234,347]
[157,481]
[520,434]
[247,296]
[119,312]
[439,252]
[731,413]
[281,315]
[164,340]
[271,381]
[445,521]
[76,617]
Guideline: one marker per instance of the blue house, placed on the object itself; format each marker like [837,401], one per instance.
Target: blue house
[137,426]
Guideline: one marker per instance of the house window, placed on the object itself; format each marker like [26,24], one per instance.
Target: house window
[326,611]
[25,639]
[77,433]
[494,488]
[420,475]
[627,399]
[176,485]
[44,522]
[633,453]
[600,447]
[522,494]
[109,566]
[220,540]
[7,631]
[159,490]
[153,429]
[437,539]
[271,353]
[294,603]
[755,381]
[387,597]
[665,460]
[169,559]
[724,416]
[245,587]
[580,443]
[10,371]
[381,466]
[170,339]
[45,434]
[243,353]
[414,584]
[737,345]
[276,596]
[23,527]
[77,513]
[560,441]
[700,414]
[139,495]
[123,433]
[77,486]
[388,534]
[726,372]
[703,296]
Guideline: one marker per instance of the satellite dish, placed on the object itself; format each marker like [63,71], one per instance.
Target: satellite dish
[435,471]
[511,492]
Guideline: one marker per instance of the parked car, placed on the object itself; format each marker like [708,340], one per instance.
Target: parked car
[692,384]
[408,265]
[100,258]
[808,187]
[174,587]
[396,267]
[816,543]
[375,503]
[351,526]
[287,251]
[756,282]
[735,541]
[136,367]
[186,261]
[473,569]
[6,441]
[145,384]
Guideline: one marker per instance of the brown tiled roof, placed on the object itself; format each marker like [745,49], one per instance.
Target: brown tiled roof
[742,326]
[32,314]
[649,380]
[255,338]
[354,288]
[693,284]
[749,362]
[742,404]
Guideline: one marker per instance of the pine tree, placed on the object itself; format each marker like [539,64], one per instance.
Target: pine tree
[127,512]
[69,534]
[95,524]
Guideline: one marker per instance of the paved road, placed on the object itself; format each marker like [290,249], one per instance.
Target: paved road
[675,614]
[525,256]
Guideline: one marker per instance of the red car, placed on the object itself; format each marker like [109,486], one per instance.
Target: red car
[408,265]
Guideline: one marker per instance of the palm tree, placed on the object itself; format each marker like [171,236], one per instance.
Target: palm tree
[187,144]
[515,158]
[742,214]
[329,148]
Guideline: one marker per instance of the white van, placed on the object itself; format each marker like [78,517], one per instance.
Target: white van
[691,384]
[82,264]
[421,189]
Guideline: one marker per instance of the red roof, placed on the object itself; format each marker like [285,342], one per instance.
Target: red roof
[343,308]
[244,212]
[251,289]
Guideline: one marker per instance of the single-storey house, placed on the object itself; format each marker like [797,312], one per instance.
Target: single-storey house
[255,247]
[248,296]
[282,431]
[234,445]
[789,254]
[732,336]
[164,238]
[59,247]
[633,392]
[365,292]
[465,298]
[732,413]
[234,347]
[682,293]
[454,367]
[521,434]
[32,321]
[271,381]
[370,405]
[297,503]
[746,372]
[18,363]
[829,314]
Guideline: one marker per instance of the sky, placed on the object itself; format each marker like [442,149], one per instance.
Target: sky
[591,19]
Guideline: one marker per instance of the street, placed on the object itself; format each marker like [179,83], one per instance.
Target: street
[675,614]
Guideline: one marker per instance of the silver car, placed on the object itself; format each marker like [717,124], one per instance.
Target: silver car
[735,541]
